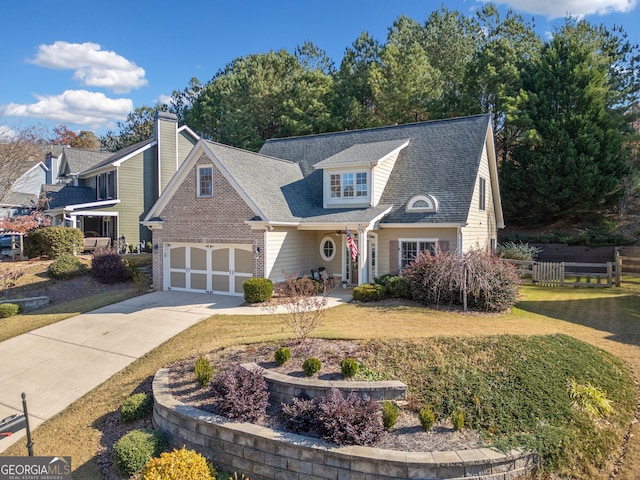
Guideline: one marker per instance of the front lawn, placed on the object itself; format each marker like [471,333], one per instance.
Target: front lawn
[607,319]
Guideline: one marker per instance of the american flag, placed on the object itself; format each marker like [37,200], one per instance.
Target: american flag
[352,246]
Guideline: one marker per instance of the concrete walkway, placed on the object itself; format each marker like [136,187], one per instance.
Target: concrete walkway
[57,364]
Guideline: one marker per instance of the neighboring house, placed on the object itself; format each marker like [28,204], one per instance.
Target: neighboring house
[230,214]
[108,194]
[22,196]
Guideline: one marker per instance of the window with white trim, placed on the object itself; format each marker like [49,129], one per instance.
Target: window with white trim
[106,186]
[327,249]
[205,181]
[410,248]
[483,194]
[349,185]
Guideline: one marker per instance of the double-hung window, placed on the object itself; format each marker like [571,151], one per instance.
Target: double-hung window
[349,185]
[205,181]
[411,248]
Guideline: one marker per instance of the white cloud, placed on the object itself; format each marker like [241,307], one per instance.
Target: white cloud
[74,107]
[93,66]
[576,8]
[7,133]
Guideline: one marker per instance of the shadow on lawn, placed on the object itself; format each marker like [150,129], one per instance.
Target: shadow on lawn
[618,315]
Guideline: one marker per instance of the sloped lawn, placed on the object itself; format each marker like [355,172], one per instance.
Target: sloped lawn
[510,370]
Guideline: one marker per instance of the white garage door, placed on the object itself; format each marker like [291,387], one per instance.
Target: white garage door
[207,268]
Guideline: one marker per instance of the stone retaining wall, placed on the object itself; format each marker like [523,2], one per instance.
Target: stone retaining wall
[30,303]
[284,388]
[262,453]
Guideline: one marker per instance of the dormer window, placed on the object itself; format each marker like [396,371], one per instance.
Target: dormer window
[349,185]
[422,203]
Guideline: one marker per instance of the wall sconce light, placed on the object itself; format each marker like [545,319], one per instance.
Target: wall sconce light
[155,246]
[256,252]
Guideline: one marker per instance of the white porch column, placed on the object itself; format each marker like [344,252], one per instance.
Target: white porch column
[363,257]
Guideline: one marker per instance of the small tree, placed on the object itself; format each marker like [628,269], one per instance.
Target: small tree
[307,301]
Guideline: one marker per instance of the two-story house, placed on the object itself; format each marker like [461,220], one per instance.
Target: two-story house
[108,194]
[358,203]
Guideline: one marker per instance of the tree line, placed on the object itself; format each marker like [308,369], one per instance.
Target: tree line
[558,105]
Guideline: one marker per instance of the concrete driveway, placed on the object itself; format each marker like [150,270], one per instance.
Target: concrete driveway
[57,364]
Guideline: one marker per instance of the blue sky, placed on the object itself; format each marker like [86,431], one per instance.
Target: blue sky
[87,64]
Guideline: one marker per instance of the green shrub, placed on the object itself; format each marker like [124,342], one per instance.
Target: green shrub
[457,419]
[53,242]
[107,266]
[67,266]
[395,286]
[349,367]
[282,356]
[427,418]
[179,464]
[148,247]
[311,366]
[518,251]
[257,290]
[136,407]
[203,370]
[9,310]
[369,293]
[132,451]
[390,413]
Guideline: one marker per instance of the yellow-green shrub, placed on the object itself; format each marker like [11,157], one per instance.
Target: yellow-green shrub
[179,464]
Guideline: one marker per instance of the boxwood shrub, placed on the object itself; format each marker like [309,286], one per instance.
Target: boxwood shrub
[132,451]
[257,290]
[136,406]
[369,292]
[9,310]
[67,266]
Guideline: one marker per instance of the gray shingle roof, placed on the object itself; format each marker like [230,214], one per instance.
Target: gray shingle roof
[442,159]
[362,154]
[60,196]
[114,157]
[79,160]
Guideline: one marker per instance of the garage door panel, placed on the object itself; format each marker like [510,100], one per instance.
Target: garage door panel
[243,261]
[199,281]
[220,283]
[178,280]
[212,269]
[178,257]
[198,258]
[220,259]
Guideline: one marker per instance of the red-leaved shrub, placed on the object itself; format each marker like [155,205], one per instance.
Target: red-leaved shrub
[240,394]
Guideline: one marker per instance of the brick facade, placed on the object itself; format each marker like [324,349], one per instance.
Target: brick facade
[213,220]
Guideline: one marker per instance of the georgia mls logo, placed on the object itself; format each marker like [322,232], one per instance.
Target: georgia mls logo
[35,468]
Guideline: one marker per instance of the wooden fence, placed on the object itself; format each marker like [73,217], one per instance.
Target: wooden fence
[574,274]
[628,261]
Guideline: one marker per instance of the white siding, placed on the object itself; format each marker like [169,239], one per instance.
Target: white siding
[481,225]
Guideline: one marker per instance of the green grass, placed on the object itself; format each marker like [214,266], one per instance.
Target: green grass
[19,324]
[546,320]
[513,389]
